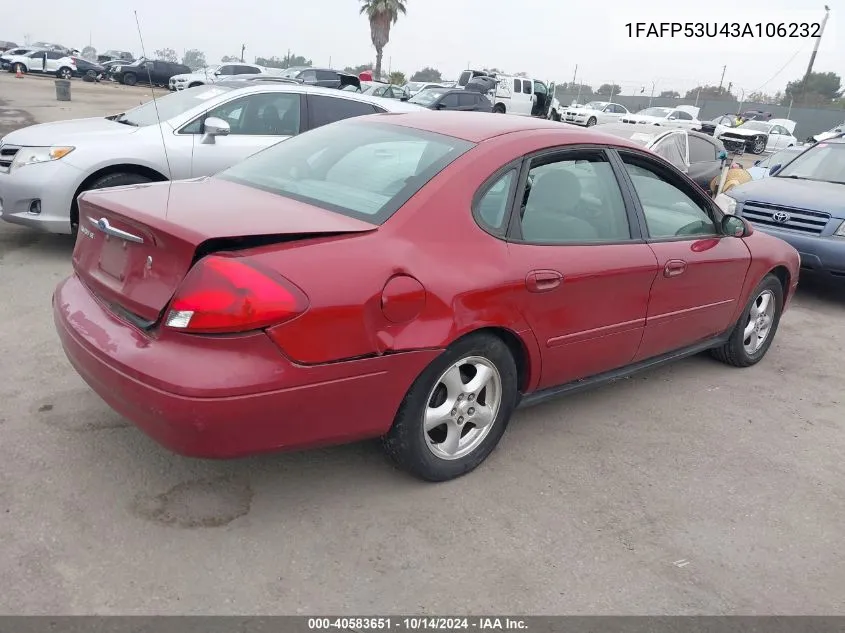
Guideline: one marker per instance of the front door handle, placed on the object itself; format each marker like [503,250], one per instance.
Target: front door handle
[674,267]
[543,280]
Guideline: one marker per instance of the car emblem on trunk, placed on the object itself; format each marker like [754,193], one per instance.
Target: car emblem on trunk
[781,216]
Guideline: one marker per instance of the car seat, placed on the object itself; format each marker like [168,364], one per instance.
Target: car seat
[551,210]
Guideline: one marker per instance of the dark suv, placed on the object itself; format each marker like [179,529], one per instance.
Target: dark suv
[324,77]
[146,71]
[452,99]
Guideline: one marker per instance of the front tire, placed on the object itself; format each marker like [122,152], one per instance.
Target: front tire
[456,411]
[117,179]
[591,121]
[759,146]
[754,332]
[499,109]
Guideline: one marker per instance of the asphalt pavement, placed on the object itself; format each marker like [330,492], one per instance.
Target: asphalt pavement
[692,489]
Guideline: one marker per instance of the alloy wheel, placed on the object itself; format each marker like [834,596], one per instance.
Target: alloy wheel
[761,316]
[462,407]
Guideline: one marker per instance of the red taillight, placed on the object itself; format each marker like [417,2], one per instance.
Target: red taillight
[227,294]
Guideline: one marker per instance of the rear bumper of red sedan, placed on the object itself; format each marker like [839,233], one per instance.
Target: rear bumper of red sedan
[227,396]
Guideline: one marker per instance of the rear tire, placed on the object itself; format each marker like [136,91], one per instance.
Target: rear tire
[477,378]
[64,73]
[754,332]
[129,79]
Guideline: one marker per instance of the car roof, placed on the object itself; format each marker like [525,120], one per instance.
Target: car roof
[393,105]
[476,127]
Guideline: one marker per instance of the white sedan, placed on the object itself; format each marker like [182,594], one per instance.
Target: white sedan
[760,136]
[685,117]
[594,113]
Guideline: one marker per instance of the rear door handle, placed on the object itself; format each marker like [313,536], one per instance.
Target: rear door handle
[674,267]
[543,280]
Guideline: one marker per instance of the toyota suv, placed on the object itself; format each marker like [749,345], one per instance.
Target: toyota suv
[803,203]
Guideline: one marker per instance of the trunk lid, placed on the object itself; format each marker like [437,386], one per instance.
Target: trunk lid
[136,243]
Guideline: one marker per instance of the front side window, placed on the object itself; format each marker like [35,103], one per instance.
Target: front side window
[670,212]
[326,75]
[574,199]
[269,114]
[366,171]
[449,101]
[467,100]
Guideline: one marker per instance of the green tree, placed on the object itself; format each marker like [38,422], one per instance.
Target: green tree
[382,14]
[89,53]
[357,70]
[166,55]
[568,89]
[194,59]
[288,61]
[708,92]
[229,59]
[670,94]
[609,89]
[397,78]
[427,74]
[820,88]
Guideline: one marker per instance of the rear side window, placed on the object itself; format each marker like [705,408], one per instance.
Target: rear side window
[362,170]
[323,110]
[700,150]
[491,208]
[326,75]
[517,85]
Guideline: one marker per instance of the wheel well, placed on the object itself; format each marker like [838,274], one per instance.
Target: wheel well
[517,349]
[500,105]
[152,174]
[782,274]
[195,84]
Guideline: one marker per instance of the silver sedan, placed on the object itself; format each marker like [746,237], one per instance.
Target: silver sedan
[191,133]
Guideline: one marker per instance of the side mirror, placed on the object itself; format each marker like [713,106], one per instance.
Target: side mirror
[723,155]
[774,169]
[735,226]
[758,161]
[404,98]
[216,127]
[440,106]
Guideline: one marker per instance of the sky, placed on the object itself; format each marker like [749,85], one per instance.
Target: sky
[545,38]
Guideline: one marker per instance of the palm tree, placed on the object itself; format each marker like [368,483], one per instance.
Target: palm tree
[382,15]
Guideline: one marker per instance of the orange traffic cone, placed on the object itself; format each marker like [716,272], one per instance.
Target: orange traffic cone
[19,73]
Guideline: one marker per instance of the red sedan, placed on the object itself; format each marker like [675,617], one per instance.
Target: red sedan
[413,277]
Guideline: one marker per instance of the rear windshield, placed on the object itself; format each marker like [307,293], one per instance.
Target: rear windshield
[362,170]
